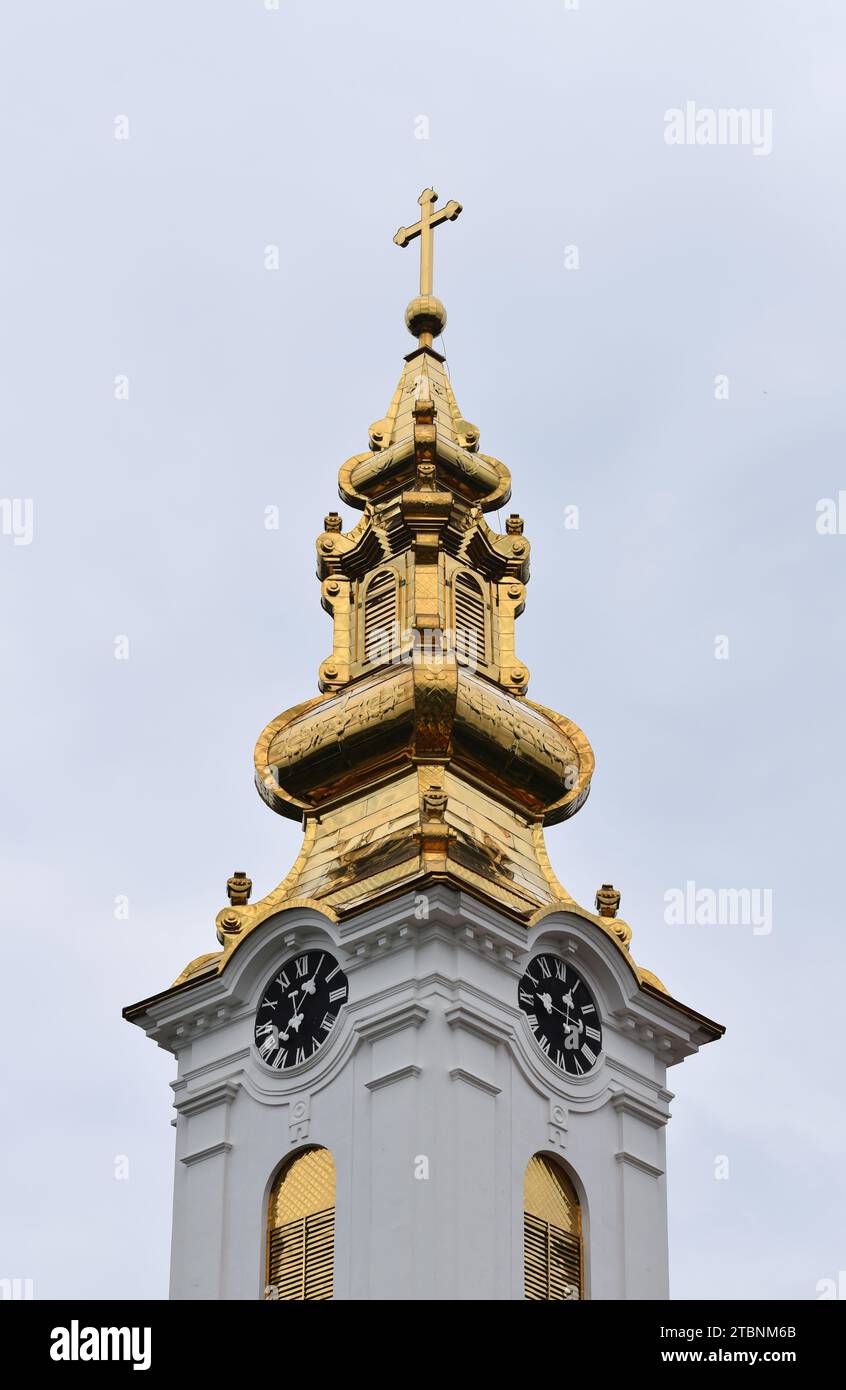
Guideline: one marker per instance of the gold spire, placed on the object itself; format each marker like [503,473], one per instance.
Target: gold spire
[423,757]
[426,315]
[422,760]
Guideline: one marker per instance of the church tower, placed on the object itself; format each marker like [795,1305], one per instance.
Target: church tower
[418,1068]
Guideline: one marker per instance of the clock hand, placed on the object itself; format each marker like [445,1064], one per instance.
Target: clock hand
[553,1008]
[309,986]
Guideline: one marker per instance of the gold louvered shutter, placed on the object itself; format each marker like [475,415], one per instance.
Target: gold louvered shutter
[301,1257]
[380,615]
[469,619]
[552,1234]
[301,1229]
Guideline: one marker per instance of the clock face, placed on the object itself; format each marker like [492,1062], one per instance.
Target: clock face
[299,1008]
[561,1013]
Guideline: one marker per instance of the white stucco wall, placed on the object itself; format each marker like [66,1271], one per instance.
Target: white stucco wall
[431,1057]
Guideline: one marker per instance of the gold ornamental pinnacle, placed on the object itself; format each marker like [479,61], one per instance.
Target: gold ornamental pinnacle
[426,315]
[422,759]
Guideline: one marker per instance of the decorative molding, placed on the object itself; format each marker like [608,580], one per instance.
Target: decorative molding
[389,1077]
[213,1151]
[627,1104]
[661,1092]
[557,1126]
[461,1074]
[299,1119]
[222,1093]
[623,1156]
[410,1014]
[462,1015]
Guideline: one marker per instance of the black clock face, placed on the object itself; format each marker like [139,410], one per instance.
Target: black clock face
[299,1009]
[562,1014]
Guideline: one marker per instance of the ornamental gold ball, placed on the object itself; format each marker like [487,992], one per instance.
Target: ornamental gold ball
[425,314]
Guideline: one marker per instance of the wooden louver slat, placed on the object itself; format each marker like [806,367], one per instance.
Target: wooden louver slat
[380,612]
[469,619]
[553,1261]
[301,1257]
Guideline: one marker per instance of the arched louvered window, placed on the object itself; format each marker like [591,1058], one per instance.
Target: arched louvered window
[552,1233]
[470,643]
[301,1229]
[380,616]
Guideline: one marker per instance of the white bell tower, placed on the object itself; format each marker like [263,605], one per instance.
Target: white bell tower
[418,1068]
[432,1098]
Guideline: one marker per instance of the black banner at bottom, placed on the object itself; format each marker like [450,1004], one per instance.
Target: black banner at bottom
[162,1339]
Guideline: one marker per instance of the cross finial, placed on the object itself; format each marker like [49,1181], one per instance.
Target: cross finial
[426,314]
[429,219]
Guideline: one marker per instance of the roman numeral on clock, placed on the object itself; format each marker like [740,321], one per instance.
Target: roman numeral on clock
[337,994]
[301,967]
[593,1033]
[328,1020]
[525,997]
[545,970]
[560,970]
[590,1054]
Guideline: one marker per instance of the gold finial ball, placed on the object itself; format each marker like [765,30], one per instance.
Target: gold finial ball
[425,314]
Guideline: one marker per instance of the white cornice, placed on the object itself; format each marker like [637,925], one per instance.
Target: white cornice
[220,1093]
[213,1151]
[377,1083]
[632,1160]
[471,1079]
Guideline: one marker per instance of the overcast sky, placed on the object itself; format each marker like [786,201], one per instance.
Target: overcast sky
[697,499]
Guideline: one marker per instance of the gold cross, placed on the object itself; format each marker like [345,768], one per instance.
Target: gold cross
[424,228]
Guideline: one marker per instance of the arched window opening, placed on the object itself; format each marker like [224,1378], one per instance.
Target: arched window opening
[380,616]
[470,643]
[301,1229]
[552,1233]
